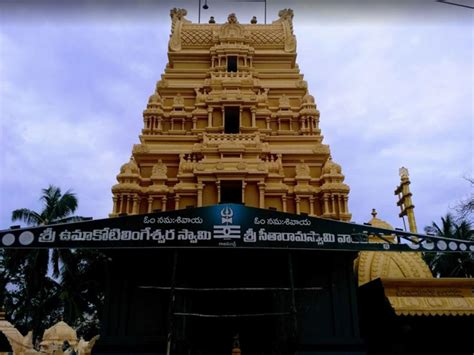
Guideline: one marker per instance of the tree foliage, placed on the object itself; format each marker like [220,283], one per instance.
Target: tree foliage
[57,208]
[451,264]
[41,286]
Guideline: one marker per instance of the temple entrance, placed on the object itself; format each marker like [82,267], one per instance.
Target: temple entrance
[197,301]
[231,191]
[228,297]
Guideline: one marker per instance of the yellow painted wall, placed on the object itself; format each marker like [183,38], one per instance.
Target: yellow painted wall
[209,196]
[251,194]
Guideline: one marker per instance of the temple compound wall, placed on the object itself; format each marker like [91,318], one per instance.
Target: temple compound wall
[231,120]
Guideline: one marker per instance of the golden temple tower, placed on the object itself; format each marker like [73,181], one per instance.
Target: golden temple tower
[231,120]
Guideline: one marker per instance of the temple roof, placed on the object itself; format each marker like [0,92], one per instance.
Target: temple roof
[428,297]
[372,265]
[188,35]
[408,284]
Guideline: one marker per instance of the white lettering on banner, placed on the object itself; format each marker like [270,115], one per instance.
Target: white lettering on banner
[329,238]
[281,222]
[286,236]
[171,220]
[250,236]
[344,238]
[65,236]
[111,235]
[288,222]
[47,236]
[193,238]
[162,238]
[227,244]
[220,232]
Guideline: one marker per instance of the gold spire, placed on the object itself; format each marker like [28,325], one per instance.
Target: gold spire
[404,199]
[374,213]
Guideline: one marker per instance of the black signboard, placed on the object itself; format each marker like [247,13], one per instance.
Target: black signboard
[224,226]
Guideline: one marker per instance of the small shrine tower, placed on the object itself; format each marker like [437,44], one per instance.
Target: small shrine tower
[231,120]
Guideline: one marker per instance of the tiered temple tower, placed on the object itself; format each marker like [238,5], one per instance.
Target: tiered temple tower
[231,120]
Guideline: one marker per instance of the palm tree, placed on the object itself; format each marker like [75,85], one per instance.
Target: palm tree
[451,264]
[58,208]
[34,282]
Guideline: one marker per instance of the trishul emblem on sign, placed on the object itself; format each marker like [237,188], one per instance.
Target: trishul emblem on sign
[227,215]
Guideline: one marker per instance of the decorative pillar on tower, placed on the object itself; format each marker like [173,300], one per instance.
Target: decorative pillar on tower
[404,199]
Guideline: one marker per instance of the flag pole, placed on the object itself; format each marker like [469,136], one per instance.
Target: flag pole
[265,12]
[199,11]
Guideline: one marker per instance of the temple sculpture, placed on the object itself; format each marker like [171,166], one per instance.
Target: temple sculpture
[60,339]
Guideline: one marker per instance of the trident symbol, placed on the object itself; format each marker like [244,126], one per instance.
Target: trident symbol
[227,215]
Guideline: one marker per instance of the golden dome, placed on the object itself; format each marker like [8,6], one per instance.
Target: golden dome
[376,222]
[58,333]
[331,167]
[371,265]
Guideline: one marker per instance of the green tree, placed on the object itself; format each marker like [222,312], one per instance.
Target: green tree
[58,208]
[34,292]
[31,297]
[451,264]
[83,291]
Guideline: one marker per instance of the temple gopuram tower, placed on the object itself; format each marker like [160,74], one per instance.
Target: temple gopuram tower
[232,121]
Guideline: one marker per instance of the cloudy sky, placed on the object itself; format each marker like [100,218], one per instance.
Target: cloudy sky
[394,84]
